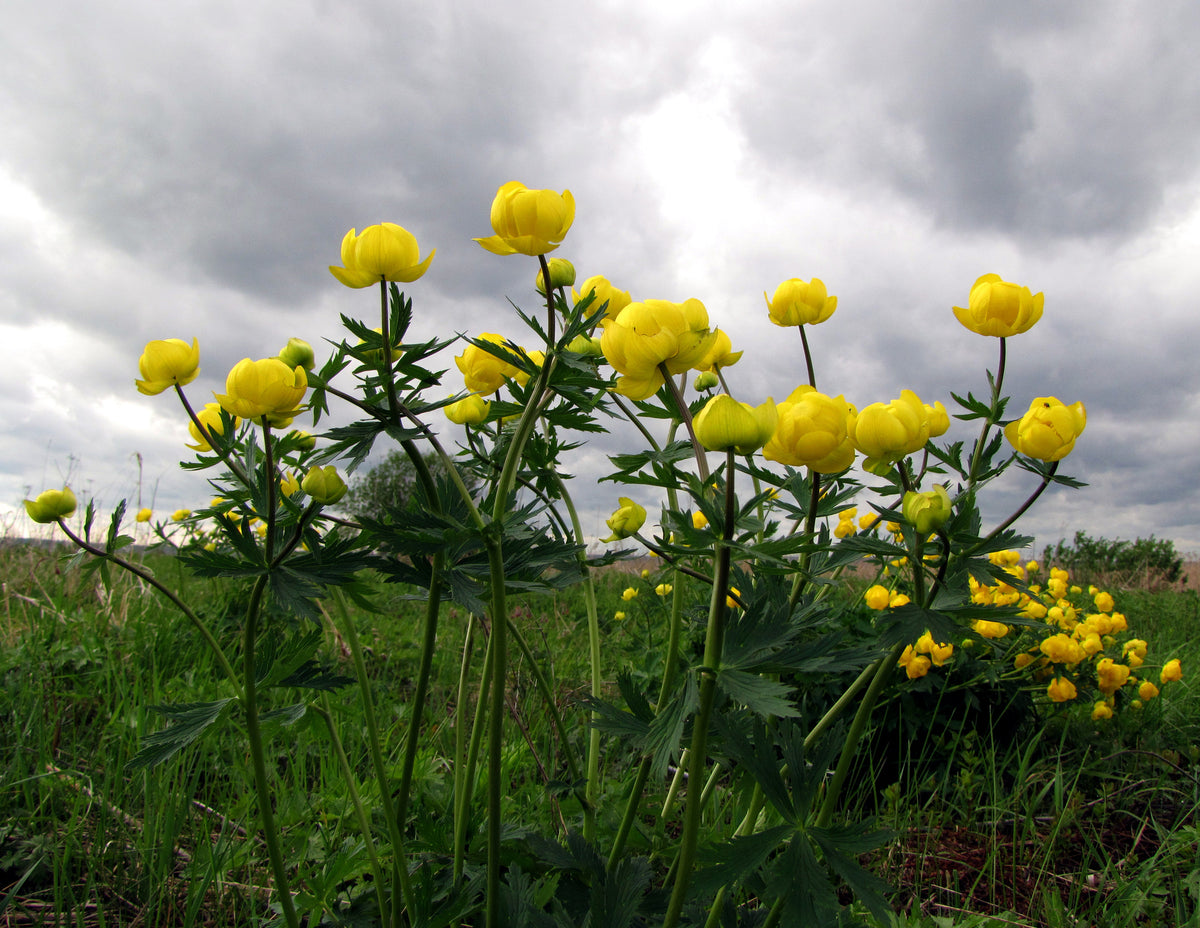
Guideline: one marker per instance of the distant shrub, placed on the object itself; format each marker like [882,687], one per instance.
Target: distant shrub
[1146,562]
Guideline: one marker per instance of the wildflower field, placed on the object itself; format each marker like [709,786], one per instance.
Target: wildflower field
[803,681]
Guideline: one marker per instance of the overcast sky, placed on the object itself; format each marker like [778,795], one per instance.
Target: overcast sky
[170,170]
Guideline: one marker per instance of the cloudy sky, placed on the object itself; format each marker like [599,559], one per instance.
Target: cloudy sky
[170,170]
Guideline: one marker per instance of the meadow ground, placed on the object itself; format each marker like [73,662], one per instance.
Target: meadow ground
[1075,823]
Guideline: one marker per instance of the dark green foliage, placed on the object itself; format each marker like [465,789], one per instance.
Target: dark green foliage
[1144,562]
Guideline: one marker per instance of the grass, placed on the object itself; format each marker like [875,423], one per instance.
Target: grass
[1065,825]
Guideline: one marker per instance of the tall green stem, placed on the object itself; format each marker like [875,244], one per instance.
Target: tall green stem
[266,814]
[713,644]
[989,420]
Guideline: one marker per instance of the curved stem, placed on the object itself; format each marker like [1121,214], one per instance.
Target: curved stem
[1025,505]
[146,577]
[808,362]
[266,814]
[685,416]
[216,446]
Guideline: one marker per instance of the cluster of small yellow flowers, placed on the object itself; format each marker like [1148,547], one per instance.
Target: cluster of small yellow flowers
[845,527]
[880,597]
[1077,646]
[917,659]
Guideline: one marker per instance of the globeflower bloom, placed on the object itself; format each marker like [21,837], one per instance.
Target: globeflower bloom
[812,432]
[1048,430]
[145,514]
[887,432]
[626,520]
[51,505]
[653,332]
[528,222]
[1000,309]
[470,410]
[482,371]
[382,252]
[725,423]
[562,274]
[265,389]
[1101,710]
[877,597]
[928,511]
[608,296]
[210,417]
[721,354]
[1061,690]
[1172,672]
[167,362]
[798,302]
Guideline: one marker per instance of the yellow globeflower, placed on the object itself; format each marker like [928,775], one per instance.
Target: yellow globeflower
[877,597]
[210,417]
[619,616]
[1110,676]
[470,410]
[1101,710]
[167,362]
[51,505]
[288,484]
[886,432]
[1048,430]
[721,354]
[999,308]
[145,514]
[180,514]
[651,333]
[725,423]
[607,296]
[927,511]
[664,589]
[1172,672]
[626,520]
[528,222]
[629,593]
[264,389]
[812,432]
[1061,690]
[915,665]
[483,372]
[798,302]
[382,252]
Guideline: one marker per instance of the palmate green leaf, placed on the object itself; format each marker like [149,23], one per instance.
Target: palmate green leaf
[628,464]
[188,721]
[759,694]
[735,860]
[284,715]
[756,755]
[905,624]
[797,877]
[666,731]
[840,847]
[616,900]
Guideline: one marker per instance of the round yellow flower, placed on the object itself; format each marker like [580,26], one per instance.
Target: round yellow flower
[877,597]
[264,389]
[1172,672]
[626,521]
[145,514]
[812,431]
[664,589]
[607,296]
[528,222]
[1048,430]
[1101,710]
[1147,691]
[651,333]
[167,362]
[470,410]
[1061,690]
[798,302]
[887,432]
[629,593]
[482,371]
[51,505]
[210,417]
[1000,309]
[382,252]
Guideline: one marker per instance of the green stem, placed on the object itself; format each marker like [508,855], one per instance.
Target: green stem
[808,361]
[592,787]
[400,865]
[364,823]
[464,775]
[685,416]
[810,524]
[266,814]
[989,420]
[713,645]
[218,445]
[495,769]
[385,332]
[145,576]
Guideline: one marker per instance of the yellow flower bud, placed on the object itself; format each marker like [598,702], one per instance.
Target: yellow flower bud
[1048,430]
[324,485]
[725,423]
[877,597]
[383,252]
[302,439]
[166,363]
[999,308]
[470,410]
[51,505]
[145,514]
[619,616]
[528,222]
[288,484]
[179,515]
[721,354]
[1147,691]
[626,520]
[797,302]
[586,345]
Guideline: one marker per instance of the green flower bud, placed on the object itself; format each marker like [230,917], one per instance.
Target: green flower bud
[298,352]
[51,505]
[706,380]
[626,520]
[324,485]
[562,274]
[929,511]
